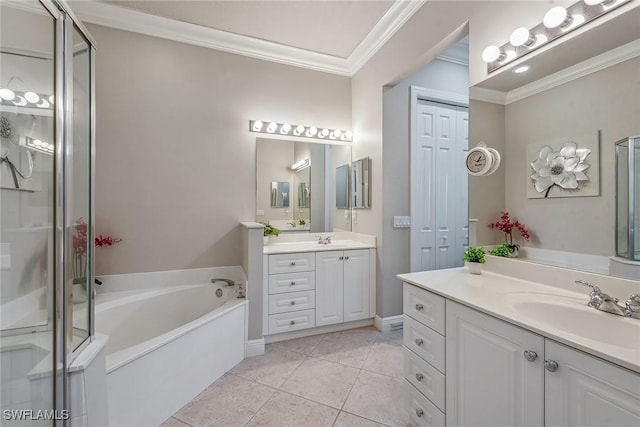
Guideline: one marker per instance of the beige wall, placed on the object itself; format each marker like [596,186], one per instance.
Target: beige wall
[175,168]
[608,100]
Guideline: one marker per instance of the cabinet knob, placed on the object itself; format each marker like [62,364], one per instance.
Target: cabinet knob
[293,283]
[293,303]
[346,257]
[341,258]
[530,355]
[419,341]
[419,377]
[419,412]
[293,263]
[551,365]
[419,307]
[293,322]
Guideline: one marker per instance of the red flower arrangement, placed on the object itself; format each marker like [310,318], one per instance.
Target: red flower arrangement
[79,242]
[506,226]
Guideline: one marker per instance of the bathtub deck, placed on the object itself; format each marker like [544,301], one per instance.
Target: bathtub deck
[348,378]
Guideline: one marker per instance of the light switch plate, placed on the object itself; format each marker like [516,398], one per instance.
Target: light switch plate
[401,221]
[259,212]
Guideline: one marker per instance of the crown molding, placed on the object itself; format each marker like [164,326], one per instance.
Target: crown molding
[591,65]
[100,13]
[397,15]
[453,60]
[487,95]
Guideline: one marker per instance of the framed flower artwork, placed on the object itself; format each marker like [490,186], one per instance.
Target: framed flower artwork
[565,167]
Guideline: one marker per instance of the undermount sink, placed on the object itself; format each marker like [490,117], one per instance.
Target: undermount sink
[580,320]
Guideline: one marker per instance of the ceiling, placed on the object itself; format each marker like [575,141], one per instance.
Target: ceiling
[334,28]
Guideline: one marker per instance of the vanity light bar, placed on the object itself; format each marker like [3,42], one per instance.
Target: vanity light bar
[557,22]
[41,146]
[274,128]
[25,99]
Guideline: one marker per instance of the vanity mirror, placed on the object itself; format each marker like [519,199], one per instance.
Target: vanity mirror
[360,189]
[585,87]
[310,174]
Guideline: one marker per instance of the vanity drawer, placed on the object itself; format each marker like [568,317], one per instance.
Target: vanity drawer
[425,342]
[288,263]
[292,301]
[424,306]
[293,321]
[292,282]
[425,378]
[422,413]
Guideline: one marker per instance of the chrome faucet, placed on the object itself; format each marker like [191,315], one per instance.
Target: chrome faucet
[324,241]
[229,282]
[633,306]
[601,301]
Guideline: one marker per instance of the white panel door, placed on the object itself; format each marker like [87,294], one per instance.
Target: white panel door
[423,213]
[329,287]
[356,285]
[587,392]
[461,187]
[489,382]
[445,190]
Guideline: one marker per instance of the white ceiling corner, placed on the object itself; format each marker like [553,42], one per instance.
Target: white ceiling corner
[108,15]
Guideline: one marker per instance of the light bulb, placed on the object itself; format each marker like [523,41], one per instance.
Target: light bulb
[32,97]
[311,132]
[521,36]
[521,69]
[336,134]
[51,99]
[298,130]
[272,127]
[7,94]
[556,17]
[323,133]
[491,53]
[348,135]
[37,142]
[43,103]
[285,128]
[257,126]
[20,101]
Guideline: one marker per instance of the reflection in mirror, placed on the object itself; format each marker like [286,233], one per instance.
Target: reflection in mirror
[279,194]
[573,232]
[342,187]
[308,168]
[360,189]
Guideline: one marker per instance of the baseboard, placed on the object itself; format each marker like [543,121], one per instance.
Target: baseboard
[390,323]
[254,348]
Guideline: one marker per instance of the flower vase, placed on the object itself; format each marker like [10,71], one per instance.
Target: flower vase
[474,267]
[514,252]
[79,292]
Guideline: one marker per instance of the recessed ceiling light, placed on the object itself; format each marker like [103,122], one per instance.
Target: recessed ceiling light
[521,69]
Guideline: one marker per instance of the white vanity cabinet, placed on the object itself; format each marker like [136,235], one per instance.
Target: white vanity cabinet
[310,289]
[343,286]
[587,391]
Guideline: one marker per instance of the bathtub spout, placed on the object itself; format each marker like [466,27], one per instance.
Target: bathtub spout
[229,282]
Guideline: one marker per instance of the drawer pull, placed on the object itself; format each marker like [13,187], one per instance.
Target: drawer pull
[293,263]
[293,303]
[293,283]
[551,365]
[341,258]
[419,307]
[346,257]
[293,322]
[530,355]
[419,377]
[419,412]
[419,342]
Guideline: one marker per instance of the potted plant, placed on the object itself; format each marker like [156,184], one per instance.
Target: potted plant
[506,225]
[270,230]
[474,258]
[504,250]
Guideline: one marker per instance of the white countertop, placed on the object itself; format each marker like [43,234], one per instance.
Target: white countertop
[553,312]
[307,246]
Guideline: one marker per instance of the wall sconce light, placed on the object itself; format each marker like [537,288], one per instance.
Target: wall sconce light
[41,146]
[302,164]
[299,131]
[25,99]
[555,23]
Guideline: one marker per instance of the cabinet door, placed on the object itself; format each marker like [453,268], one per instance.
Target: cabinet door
[356,285]
[329,287]
[588,392]
[489,381]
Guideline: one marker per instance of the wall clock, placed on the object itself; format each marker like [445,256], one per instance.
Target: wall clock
[482,161]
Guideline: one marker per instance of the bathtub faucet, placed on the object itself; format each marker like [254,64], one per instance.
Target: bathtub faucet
[229,282]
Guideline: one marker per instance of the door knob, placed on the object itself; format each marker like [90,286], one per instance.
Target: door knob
[551,365]
[530,355]
[419,341]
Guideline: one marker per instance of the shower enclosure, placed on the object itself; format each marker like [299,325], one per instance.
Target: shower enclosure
[628,198]
[46,207]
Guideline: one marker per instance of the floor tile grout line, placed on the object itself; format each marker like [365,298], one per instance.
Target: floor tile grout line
[176,418]
[262,406]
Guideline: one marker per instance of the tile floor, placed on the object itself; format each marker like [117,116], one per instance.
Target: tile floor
[344,379]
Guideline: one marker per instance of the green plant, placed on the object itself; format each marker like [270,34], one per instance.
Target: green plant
[475,254]
[503,250]
[270,230]
[302,222]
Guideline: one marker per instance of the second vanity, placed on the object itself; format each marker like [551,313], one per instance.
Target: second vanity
[308,284]
[495,350]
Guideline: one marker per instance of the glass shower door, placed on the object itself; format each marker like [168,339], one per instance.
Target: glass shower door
[28,119]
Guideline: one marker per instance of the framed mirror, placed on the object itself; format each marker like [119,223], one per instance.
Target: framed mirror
[342,187]
[360,188]
[306,171]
